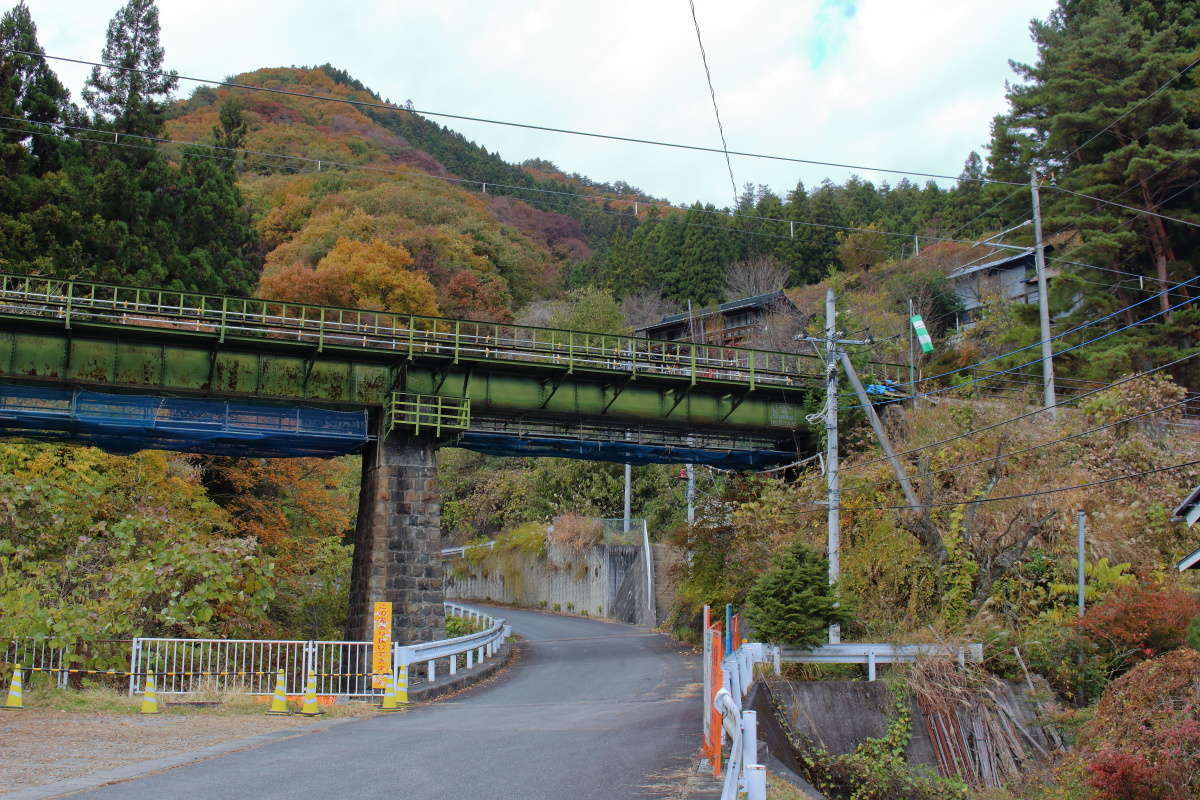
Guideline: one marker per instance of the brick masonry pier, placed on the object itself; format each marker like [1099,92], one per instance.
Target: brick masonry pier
[398,541]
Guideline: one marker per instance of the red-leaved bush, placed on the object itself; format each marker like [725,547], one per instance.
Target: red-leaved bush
[1142,620]
[1144,741]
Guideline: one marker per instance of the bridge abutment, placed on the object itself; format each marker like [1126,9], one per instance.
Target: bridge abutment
[398,541]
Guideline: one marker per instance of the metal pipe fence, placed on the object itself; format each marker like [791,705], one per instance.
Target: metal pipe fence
[251,666]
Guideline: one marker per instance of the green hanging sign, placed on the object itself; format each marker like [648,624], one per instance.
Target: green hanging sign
[922,333]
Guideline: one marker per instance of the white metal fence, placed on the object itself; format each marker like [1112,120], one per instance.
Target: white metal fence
[250,666]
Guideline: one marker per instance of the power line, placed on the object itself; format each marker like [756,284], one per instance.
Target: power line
[1022,495]
[320,162]
[1036,411]
[1076,329]
[716,111]
[1133,108]
[569,131]
[1038,446]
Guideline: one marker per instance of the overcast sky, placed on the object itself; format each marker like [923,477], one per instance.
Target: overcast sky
[910,84]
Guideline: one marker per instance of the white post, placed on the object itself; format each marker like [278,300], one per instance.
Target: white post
[756,782]
[628,493]
[648,557]
[1081,522]
[691,495]
[453,665]
[871,665]
[1043,301]
[432,670]
[749,737]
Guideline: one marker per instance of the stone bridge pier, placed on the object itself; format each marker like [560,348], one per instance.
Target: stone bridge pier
[398,541]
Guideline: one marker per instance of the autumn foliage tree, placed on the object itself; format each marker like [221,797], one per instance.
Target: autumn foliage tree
[358,274]
[1144,741]
[1142,620]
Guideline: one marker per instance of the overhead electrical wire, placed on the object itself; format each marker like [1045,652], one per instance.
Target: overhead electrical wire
[1031,448]
[110,137]
[551,129]
[1039,410]
[716,111]
[1038,360]
[1057,336]
[1021,496]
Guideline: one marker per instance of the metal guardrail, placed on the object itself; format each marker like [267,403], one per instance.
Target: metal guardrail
[251,666]
[326,326]
[475,647]
[416,411]
[871,653]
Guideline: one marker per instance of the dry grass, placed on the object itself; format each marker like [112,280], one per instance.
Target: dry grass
[574,534]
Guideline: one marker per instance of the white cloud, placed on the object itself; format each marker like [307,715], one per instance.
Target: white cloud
[911,85]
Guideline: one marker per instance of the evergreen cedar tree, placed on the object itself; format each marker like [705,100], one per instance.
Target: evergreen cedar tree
[792,603]
[119,214]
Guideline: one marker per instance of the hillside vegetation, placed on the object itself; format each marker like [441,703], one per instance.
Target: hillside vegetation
[259,193]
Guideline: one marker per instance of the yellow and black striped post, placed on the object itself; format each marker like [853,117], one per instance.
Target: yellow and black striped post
[16,697]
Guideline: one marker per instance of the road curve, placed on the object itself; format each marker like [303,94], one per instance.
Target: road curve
[590,711]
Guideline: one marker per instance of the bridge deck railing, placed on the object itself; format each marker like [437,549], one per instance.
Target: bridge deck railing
[412,335]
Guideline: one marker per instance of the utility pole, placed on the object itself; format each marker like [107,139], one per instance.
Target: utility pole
[1043,301]
[912,358]
[1081,526]
[833,493]
[691,494]
[628,498]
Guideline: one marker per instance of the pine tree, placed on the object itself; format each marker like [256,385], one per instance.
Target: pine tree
[792,603]
[1099,65]
[131,93]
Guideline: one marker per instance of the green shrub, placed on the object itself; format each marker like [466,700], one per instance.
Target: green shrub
[792,603]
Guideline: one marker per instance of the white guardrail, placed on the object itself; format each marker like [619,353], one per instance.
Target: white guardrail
[475,646]
[743,773]
[251,666]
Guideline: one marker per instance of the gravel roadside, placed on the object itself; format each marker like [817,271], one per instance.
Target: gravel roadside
[39,747]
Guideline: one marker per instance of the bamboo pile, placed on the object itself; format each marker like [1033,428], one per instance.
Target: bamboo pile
[979,728]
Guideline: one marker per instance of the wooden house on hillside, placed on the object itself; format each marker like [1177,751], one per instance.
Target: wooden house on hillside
[733,324]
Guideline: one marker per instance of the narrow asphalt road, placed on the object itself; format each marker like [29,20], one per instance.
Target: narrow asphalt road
[590,711]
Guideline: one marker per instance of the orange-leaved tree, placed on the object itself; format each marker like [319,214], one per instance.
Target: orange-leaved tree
[358,274]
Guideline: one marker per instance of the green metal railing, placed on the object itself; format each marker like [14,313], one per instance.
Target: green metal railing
[413,336]
[430,412]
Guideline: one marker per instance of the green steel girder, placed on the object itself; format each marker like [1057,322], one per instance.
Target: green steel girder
[170,360]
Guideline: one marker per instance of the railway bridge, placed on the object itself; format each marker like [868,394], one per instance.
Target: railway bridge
[129,368]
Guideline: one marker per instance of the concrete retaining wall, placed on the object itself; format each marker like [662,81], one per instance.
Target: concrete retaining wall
[561,580]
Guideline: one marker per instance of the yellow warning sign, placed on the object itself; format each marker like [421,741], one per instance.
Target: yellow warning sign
[381,651]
